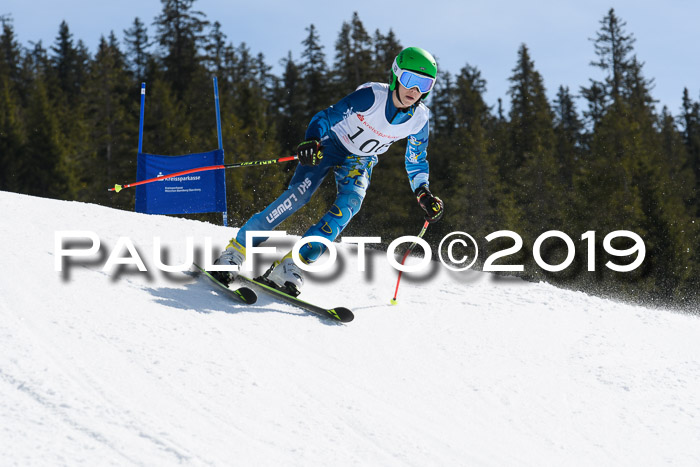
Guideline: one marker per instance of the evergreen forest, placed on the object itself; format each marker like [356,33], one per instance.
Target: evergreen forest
[69,130]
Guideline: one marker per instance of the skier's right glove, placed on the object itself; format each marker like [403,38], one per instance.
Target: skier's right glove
[432,205]
[309,152]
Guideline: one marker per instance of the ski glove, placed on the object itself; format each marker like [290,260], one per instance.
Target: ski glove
[309,152]
[432,205]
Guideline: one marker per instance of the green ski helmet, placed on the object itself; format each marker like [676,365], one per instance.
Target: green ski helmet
[421,64]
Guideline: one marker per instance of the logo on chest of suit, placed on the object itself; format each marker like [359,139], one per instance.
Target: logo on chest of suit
[365,123]
[368,139]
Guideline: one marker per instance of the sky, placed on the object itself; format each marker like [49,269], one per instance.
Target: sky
[482,34]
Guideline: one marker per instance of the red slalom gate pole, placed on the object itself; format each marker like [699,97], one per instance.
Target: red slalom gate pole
[408,252]
[118,188]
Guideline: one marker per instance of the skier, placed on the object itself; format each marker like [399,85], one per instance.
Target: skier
[347,138]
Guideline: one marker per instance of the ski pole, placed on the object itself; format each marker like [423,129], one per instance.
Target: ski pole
[119,188]
[408,252]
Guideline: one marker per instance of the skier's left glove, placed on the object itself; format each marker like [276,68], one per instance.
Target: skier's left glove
[309,152]
[432,205]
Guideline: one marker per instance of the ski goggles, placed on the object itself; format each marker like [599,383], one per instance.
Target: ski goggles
[410,79]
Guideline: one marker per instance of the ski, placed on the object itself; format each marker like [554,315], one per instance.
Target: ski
[339,314]
[242,294]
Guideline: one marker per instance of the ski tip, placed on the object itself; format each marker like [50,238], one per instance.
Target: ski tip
[341,314]
[247,295]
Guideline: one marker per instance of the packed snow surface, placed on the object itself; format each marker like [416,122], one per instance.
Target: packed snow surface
[123,367]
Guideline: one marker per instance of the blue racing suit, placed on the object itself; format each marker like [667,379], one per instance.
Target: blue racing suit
[353,173]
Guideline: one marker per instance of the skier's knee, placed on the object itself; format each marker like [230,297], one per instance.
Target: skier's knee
[345,207]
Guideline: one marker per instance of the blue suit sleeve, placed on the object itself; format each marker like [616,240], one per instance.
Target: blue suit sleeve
[417,157]
[321,123]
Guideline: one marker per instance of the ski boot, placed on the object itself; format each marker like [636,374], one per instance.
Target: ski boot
[285,276]
[233,255]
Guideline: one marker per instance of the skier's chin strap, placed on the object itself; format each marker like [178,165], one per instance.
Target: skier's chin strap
[398,98]
[398,95]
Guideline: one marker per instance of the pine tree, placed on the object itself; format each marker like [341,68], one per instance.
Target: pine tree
[180,34]
[137,56]
[613,46]
[342,73]
[597,105]
[677,164]
[293,119]
[243,71]
[568,131]
[606,174]
[228,67]
[167,127]
[11,136]
[361,43]
[480,202]
[265,81]
[11,131]
[252,89]
[69,64]
[690,137]
[628,176]
[314,72]
[10,53]
[44,170]
[64,79]
[638,89]
[442,106]
[248,122]
[353,58]
[216,50]
[531,173]
[112,127]
[386,48]
[666,184]
[37,60]
[690,123]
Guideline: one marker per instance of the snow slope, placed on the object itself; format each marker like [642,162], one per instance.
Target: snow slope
[122,367]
